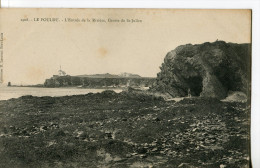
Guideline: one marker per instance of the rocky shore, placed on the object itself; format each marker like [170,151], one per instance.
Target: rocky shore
[125,129]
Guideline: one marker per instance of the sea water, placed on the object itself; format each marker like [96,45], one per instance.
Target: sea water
[16,92]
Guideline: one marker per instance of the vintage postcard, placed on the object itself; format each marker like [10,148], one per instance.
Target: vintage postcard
[125,88]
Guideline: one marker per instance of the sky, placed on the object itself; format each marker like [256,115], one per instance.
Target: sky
[34,51]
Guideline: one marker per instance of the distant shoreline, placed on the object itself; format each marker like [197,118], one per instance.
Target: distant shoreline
[78,87]
[18,91]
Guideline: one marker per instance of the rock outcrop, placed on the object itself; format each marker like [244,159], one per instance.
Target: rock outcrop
[207,70]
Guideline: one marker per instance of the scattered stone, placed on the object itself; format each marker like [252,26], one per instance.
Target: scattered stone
[43,128]
[156,119]
[222,166]
[133,154]
[185,165]
[142,156]
[128,155]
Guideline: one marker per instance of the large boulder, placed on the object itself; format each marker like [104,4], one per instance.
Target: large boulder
[207,70]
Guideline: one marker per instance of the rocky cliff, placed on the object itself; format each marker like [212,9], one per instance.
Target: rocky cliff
[207,70]
[98,81]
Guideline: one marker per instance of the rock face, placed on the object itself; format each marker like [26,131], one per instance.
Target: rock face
[207,70]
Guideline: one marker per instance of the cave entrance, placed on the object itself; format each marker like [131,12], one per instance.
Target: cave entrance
[195,85]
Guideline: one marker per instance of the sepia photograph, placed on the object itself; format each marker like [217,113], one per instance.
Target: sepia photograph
[138,88]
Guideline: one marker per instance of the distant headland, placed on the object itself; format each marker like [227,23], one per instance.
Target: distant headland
[106,80]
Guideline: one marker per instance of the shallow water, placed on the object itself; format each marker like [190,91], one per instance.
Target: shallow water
[15,92]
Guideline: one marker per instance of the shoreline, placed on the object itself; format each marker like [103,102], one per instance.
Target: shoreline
[7,93]
[129,128]
[76,87]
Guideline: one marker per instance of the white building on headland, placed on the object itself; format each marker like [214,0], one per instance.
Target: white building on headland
[61,72]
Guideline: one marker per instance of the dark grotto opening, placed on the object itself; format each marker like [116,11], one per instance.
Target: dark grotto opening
[195,85]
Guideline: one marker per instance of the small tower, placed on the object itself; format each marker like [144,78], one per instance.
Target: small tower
[128,83]
[61,72]
[189,94]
